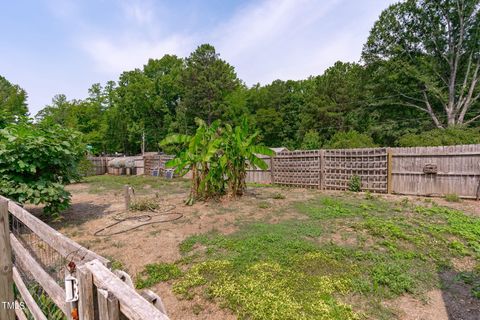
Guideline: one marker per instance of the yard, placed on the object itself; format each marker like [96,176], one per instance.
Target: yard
[283,253]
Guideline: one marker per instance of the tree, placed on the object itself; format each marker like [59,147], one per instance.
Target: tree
[332,100]
[311,140]
[13,102]
[240,151]
[207,83]
[36,162]
[434,48]
[196,156]
[441,137]
[217,158]
[350,139]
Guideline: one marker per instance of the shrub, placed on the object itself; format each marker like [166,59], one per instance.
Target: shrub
[452,197]
[36,163]
[311,140]
[355,183]
[350,139]
[441,137]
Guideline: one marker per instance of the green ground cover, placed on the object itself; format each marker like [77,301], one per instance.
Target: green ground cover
[340,259]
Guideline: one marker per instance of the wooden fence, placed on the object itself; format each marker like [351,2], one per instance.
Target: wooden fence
[452,170]
[39,260]
[383,170]
[422,171]
[99,165]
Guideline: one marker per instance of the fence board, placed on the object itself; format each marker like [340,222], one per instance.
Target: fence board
[300,168]
[370,164]
[458,170]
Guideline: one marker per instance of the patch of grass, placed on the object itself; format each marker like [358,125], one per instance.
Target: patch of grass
[452,197]
[141,184]
[157,272]
[144,204]
[472,279]
[264,205]
[117,265]
[293,269]
[278,196]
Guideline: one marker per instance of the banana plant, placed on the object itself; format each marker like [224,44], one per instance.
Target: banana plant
[240,152]
[197,156]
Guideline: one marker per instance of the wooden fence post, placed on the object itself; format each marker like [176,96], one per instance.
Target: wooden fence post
[108,306]
[126,190]
[322,169]
[86,303]
[272,178]
[7,300]
[389,171]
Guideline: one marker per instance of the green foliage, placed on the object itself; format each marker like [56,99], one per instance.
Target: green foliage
[345,246]
[155,273]
[36,162]
[13,102]
[217,158]
[428,49]
[207,81]
[85,167]
[355,183]
[311,141]
[144,204]
[441,137]
[452,197]
[350,139]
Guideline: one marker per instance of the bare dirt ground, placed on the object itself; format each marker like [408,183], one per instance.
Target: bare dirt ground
[160,242]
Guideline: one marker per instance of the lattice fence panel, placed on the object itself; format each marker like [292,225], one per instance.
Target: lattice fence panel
[369,164]
[297,168]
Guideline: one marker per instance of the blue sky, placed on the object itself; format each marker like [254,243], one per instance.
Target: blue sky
[64,46]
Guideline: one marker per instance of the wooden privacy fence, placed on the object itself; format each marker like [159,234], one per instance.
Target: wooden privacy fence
[38,260]
[456,169]
[423,171]
[436,171]
[331,169]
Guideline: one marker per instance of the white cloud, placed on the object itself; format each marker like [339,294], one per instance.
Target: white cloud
[139,12]
[265,40]
[115,56]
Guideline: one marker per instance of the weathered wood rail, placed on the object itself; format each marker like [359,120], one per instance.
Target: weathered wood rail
[102,294]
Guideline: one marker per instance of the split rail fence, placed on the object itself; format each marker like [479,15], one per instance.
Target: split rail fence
[35,260]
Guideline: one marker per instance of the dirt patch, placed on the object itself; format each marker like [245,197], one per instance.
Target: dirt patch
[160,242]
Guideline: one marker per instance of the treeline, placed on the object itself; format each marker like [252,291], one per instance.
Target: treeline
[418,84]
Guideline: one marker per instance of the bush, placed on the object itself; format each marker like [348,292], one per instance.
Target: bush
[355,183]
[350,139]
[441,137]
[452,197]
[311,140]
[36,163]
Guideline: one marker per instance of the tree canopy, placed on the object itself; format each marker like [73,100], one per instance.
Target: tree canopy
[420,71]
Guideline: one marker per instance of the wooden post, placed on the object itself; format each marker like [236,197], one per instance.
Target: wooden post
[272,176]
[85,295]
[108,306]
[322,169]
[126,190]
[7,300]
[389,170]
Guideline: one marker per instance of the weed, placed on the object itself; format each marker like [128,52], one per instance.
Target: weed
[452,197]
[157,272]
[278,196]
[264,205]
[355,183]
[144,204]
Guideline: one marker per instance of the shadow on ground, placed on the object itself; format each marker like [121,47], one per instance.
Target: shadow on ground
[457,296]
